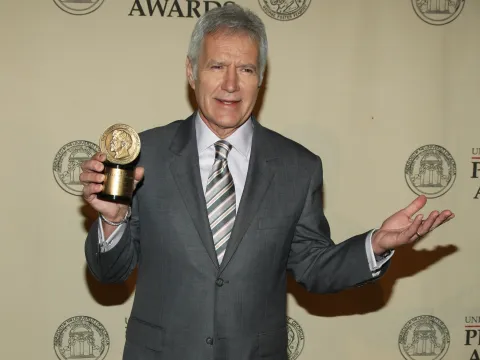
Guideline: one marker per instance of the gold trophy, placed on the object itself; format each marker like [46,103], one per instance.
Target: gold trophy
[121,144]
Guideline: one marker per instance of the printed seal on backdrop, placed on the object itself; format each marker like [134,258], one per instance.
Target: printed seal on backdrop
[284,10]
[438,12]
[81,337]
[296,339]
[431,171]
[424,337]
[79,7]
[67,162]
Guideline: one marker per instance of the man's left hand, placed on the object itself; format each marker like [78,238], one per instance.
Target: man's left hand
[401,228]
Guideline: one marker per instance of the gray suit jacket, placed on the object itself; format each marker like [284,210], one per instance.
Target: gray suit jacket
[186,306]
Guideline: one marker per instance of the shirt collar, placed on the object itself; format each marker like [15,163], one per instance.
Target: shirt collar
[241,139]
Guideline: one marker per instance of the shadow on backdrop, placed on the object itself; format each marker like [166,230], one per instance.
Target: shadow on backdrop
[371,297]
[105,294]
[110,294]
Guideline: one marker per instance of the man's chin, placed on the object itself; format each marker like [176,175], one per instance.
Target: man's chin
[229,119]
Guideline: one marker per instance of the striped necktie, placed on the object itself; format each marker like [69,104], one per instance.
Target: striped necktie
[220,198]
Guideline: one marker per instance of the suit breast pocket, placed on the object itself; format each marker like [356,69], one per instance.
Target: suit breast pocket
[276,222]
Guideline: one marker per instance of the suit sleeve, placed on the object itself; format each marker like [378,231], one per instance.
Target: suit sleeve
[315,261]
[118,263]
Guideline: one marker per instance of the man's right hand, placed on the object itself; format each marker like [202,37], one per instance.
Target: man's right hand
[92,178]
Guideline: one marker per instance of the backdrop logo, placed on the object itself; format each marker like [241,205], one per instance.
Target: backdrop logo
[67,162]
[295,338]
[174,8]
[424,337]
[476,167]
[284,9]
[79,7]
[438,12]
[81,337]
[472,335]
[430,170]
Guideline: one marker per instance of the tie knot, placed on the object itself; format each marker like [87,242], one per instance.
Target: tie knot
[222,148]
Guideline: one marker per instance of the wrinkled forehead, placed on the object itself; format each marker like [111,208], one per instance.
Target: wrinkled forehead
[221,40]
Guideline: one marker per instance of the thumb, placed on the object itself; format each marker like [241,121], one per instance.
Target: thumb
[416,205]
[138,175]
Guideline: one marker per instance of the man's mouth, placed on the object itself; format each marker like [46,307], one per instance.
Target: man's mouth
[228,102]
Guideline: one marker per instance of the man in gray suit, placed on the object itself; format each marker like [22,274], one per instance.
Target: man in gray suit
[226,208]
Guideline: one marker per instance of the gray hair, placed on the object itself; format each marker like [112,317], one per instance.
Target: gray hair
[232,19]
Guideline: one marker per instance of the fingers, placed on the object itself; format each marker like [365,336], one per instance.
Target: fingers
[434,220]
[91,176]
[440,219]
[415,205]
[92,170]
[428,223]
[95,164]
[411,232]
[90,191]
[138,175]
[99,156]
[139,172]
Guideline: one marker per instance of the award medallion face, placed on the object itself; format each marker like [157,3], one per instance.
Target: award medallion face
[120,143]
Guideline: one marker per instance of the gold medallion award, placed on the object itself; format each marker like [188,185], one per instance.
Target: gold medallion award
[121,144]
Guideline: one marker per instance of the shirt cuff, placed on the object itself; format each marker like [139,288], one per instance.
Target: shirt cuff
[375,262]
[113,239]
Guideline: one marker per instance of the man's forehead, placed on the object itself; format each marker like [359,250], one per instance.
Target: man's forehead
[226,36]
[226,43]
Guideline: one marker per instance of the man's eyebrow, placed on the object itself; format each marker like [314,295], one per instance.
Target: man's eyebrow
[215,62]
[222,63]
[249,66]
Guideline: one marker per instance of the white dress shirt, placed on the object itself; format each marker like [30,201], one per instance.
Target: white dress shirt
[238,159]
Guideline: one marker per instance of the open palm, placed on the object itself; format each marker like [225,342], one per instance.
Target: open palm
[404,226]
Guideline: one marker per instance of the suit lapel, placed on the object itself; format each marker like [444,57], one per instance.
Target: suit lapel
[259,177]
[186,172]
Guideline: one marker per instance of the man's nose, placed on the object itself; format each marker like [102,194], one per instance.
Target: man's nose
[230,81]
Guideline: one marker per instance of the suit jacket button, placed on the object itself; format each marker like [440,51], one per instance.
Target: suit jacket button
[219,282]
[209,341]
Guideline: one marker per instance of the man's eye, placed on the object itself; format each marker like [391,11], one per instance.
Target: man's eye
[216,66]
[250,71]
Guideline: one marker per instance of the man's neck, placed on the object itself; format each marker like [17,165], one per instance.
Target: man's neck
[222,133]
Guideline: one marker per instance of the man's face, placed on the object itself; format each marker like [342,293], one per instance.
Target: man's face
[115,143]
[226,88]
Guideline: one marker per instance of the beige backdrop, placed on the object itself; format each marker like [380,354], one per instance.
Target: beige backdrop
[361,83]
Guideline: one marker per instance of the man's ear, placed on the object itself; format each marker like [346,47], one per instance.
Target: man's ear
[189,71]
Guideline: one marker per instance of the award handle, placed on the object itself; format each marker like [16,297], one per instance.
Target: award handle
[118,184]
